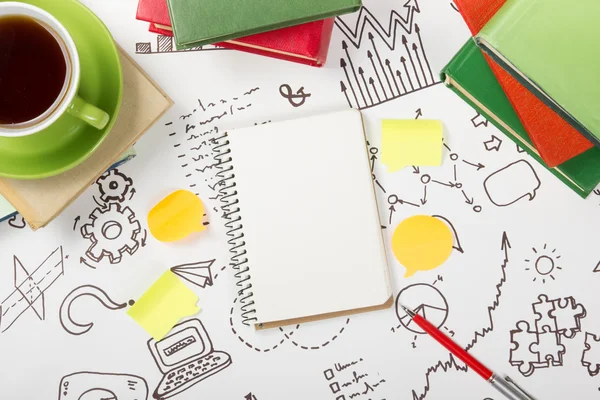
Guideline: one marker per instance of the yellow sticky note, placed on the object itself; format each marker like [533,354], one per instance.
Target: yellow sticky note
[163,305]
[422,243]
[176,216]
[411,142]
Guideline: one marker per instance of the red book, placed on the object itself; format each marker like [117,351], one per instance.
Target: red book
[554,138]
[305,44]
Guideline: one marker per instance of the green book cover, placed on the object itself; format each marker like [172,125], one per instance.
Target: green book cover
[469,75]
[551,47]
[201,22]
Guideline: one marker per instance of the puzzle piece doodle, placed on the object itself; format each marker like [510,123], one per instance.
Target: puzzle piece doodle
[549,349]
[521,355]
[542,310]
[567,315]
[590,358]
[538,344]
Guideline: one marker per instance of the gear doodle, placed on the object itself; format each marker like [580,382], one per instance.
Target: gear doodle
[113,186]
[113,232]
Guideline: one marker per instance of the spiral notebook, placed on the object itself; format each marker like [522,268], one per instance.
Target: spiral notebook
[302,217]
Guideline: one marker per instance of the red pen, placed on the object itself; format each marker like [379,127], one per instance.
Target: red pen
[504,385]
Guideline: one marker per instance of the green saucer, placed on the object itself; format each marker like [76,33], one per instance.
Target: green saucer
[69,141]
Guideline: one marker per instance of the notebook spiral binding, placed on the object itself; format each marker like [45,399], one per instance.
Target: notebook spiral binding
[234,226]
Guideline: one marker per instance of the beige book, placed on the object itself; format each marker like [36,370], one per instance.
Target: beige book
[144,103]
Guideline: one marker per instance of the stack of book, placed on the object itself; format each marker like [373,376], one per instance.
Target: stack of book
[297,31]
[531,70]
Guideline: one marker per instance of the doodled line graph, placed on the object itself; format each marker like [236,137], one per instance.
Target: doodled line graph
[451,363]
[382,64]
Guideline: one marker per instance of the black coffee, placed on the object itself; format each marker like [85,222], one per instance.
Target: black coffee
[32,69]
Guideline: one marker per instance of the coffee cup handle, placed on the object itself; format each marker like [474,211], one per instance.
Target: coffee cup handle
[86,112]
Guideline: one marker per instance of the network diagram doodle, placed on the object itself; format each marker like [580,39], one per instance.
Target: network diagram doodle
[30,288]
[350,380]
[452,363]
[67,321]
[112,228]
[539,344]
[106,386]
[543,264]
[186,357]
[396,62]
[452,183]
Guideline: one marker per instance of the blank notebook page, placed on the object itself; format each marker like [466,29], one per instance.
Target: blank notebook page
[310,218]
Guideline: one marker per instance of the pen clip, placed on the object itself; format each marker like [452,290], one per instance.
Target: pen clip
[512,383]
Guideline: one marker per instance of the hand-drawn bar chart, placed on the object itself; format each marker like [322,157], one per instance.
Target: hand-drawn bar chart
[396,62]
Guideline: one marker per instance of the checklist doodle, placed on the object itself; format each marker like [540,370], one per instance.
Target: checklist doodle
[353,380]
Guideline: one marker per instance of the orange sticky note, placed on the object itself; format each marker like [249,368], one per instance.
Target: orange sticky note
[422,243]
[177,216]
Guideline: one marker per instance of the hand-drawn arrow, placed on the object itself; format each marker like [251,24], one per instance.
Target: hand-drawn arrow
[479,166]
[419,113]
[493,144]
[77,219]
[392,210]
[373,158]
[84,261]
[468,201]
[424,199]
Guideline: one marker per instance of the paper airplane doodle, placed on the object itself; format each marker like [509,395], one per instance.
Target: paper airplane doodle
[30,288]
[198,273]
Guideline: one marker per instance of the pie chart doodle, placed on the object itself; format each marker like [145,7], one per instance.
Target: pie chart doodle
[425,300]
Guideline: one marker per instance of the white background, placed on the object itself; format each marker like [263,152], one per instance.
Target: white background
[35,354]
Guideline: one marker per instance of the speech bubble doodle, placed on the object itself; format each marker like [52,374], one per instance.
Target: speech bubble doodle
[66,319]
[411,142]
[176,216]
[512,183]
[422,243]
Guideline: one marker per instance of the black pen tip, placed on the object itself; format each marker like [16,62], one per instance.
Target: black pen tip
[408,311]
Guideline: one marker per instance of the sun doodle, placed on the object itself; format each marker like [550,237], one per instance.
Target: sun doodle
[544,264]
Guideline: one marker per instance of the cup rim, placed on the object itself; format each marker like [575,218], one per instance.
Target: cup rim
[68,93]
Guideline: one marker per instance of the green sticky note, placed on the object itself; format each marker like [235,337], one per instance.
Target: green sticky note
[411,142]
[163,305]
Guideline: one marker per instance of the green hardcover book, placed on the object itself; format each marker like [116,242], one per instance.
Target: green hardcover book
[469,75]
[551,47]
[201,22]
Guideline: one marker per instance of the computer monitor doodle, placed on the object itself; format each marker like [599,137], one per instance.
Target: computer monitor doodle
[185,357]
